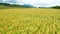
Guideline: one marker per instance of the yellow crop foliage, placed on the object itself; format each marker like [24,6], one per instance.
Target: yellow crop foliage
[29,21]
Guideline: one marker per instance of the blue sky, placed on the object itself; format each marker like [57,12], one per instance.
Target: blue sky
[36,3]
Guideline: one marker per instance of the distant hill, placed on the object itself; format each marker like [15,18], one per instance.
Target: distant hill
[56,7]
[6,5]
[28,6]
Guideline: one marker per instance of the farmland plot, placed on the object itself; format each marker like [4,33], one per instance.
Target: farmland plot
[29,21]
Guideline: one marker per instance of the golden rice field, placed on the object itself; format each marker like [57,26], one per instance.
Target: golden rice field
[29,21]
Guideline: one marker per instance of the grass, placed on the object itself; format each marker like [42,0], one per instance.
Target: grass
[29,21]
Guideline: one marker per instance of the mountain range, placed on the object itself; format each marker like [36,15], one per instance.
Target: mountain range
[2,5]
[7,5]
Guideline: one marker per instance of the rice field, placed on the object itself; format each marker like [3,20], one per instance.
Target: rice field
[29,21]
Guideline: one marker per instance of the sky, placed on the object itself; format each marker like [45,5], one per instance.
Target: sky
[36,3]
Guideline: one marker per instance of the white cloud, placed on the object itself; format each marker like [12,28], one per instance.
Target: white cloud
[41,2]
[38,2]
